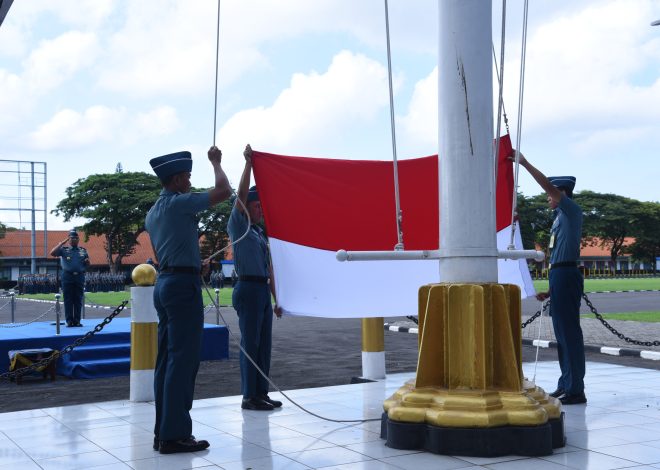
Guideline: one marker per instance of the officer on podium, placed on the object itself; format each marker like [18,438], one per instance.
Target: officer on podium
[73,261]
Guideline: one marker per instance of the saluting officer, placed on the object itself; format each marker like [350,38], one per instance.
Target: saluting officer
[172,225]
[73,261]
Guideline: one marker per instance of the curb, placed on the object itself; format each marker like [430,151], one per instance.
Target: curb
[620,291]
[612,351]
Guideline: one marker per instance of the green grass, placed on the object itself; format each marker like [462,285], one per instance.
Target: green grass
[596,285]
[648,317]
[115,298]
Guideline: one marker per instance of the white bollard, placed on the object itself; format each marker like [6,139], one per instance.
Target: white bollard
[144,343]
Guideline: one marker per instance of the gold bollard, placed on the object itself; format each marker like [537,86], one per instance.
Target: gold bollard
[144,334]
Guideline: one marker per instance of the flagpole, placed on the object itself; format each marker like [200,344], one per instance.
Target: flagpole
[468,246]
[469,396]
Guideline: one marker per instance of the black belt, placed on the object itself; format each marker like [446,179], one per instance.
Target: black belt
[180,270]
[75,273]
[564,264]
[261,279]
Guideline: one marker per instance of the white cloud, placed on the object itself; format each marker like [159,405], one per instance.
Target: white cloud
[183,63]
[419,127]
[314,112]
[582,68]
[159,121]
[71,130]
[57,60]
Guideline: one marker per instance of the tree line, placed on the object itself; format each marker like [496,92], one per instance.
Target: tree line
[115,206]
[608,220]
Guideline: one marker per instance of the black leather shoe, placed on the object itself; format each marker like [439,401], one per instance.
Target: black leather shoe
[256,404]
[77,324]
[275,403]
[183,445]
[557,393]
[568,399]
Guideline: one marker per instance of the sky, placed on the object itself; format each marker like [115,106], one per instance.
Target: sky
[88,84]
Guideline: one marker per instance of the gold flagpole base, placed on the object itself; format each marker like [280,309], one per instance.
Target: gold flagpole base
[469,396]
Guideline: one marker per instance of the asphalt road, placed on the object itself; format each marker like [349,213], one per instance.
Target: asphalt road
[307,352]
[609,302]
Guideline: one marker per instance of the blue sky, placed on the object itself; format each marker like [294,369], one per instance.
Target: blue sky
[85,84]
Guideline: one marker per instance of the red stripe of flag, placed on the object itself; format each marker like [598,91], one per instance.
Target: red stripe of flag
[349,204]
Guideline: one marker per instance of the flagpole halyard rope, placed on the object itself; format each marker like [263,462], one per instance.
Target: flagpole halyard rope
[399,215]
[247,214]
[500,101]
[217,60]
[521,90]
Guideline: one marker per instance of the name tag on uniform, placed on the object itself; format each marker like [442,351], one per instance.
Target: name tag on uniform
[552,241]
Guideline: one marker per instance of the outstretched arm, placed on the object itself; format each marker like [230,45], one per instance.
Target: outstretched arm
[222,189]
[244,185]
[540,178]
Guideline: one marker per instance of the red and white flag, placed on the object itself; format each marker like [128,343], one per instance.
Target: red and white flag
[315,206]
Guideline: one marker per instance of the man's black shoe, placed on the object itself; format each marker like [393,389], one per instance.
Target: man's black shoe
[256,404]
[183,445]
[568,399]
[557,393]
[77,324]
[275,403]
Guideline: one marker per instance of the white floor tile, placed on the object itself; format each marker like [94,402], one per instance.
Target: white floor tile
[170,462]
[425,460]
[78,461]
[618,428]
[327,457]
[585,460]
[638,453]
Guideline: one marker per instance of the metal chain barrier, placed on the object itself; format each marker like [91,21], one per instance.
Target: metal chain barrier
[17,325]
[414,319]
[614,330]
[536,315]
[66,350]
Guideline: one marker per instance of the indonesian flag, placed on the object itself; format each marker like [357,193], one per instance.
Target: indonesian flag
[316,206]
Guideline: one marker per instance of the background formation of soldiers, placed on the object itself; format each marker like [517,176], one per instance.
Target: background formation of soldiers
[94,282]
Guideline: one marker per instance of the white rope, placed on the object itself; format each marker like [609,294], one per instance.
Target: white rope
[538,342]
[521,90]
[247,214]
[217,60]
[399,215]
[500,102]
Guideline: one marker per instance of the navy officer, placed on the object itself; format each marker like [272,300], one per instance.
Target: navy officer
[172,226]
[74,260]
[252,294]
[566,283]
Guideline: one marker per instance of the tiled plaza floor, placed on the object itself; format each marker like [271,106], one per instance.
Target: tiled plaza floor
[618,428]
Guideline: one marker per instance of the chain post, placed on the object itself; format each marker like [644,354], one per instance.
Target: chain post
[13,307]
[82,307]
[57,314]
[217,306]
